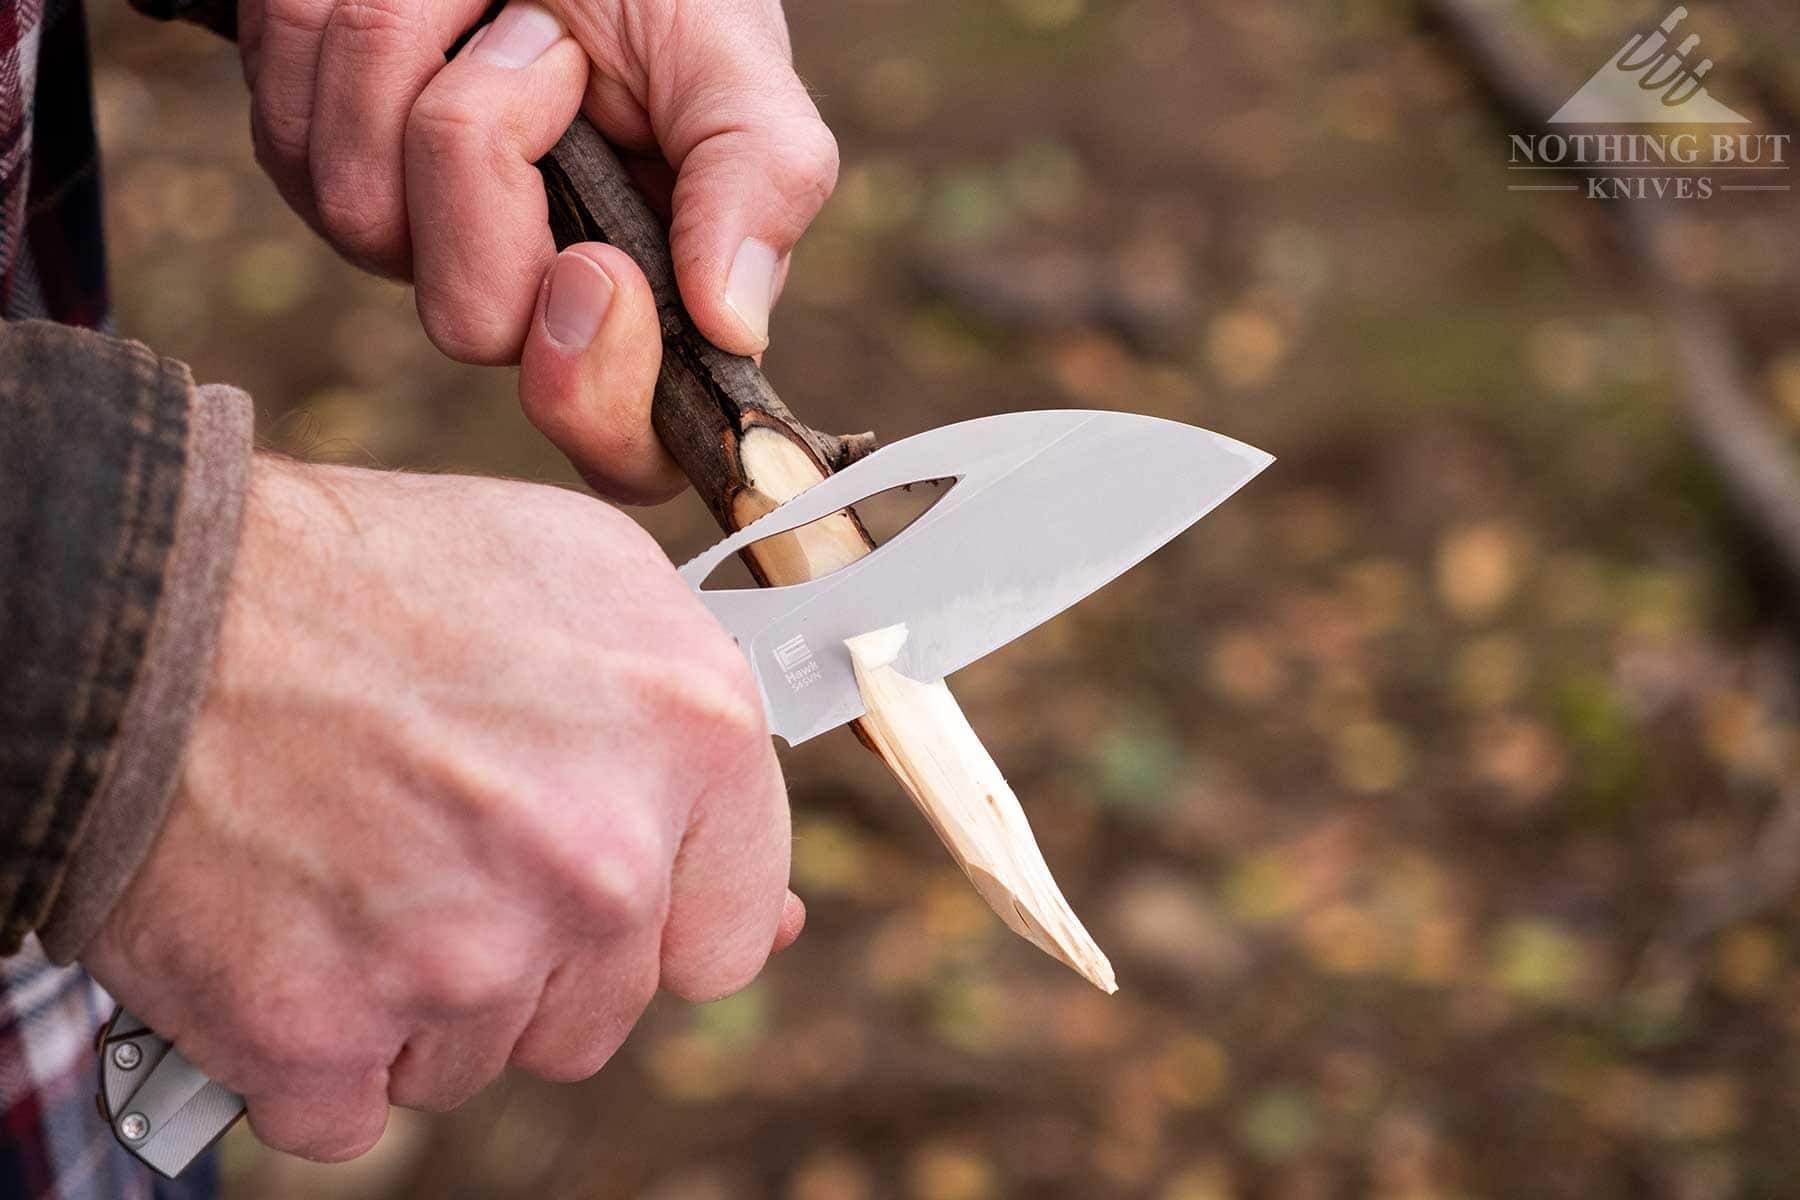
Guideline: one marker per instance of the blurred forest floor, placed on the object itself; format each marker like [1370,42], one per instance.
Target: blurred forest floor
[1436,798]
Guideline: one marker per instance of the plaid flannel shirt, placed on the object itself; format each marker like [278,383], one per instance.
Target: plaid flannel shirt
[53,1142]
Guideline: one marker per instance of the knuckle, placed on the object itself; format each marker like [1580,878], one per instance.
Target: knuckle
[807,171]
[362,221]
[295,16]
[609,446]
[281,110]
[343,211]
[278,138]
[624,887]
[813,159]
[712,698]
[446,123]
[446,329]
[286,1026]
[570,1054]
[729,703]
[730,971]
[467,328]
[383,22]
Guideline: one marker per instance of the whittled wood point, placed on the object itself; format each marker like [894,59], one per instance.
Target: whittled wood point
[746,453]
[921,734]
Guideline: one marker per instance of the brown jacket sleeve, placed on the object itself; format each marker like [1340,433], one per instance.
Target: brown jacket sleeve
[120,489]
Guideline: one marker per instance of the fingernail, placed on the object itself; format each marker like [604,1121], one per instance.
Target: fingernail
[579,294]
[518,37]
[750,287]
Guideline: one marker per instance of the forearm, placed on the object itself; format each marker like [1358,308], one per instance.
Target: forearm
[118,520]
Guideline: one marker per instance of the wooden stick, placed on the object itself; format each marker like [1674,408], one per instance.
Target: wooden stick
[919,732]
[746,454]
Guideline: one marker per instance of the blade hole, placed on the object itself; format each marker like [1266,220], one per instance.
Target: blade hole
[886,515]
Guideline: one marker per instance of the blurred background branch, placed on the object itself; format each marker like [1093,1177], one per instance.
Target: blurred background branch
[1731,422]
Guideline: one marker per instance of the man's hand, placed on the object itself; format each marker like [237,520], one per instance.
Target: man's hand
[475,775]
[424,170]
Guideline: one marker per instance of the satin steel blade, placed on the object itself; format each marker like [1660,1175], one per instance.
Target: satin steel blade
[1046,508]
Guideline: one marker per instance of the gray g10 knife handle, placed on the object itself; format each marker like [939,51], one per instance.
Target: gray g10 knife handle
[159,1105]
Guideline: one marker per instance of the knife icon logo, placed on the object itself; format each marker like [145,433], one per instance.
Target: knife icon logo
[795,658]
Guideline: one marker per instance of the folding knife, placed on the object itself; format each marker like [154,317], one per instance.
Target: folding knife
[1044,508]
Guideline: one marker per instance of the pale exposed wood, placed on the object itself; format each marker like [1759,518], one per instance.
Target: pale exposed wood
[746,453]
[775,470]
[921,734]
[920,731]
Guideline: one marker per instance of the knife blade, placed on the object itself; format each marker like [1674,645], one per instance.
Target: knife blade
[1045,508]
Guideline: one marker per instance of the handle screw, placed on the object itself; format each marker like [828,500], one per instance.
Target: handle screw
[133,1127]
[126,1056]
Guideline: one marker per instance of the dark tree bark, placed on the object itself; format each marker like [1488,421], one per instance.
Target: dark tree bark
[712,409]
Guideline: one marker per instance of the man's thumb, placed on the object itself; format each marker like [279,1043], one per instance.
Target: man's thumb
[588,373]
[743,197]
